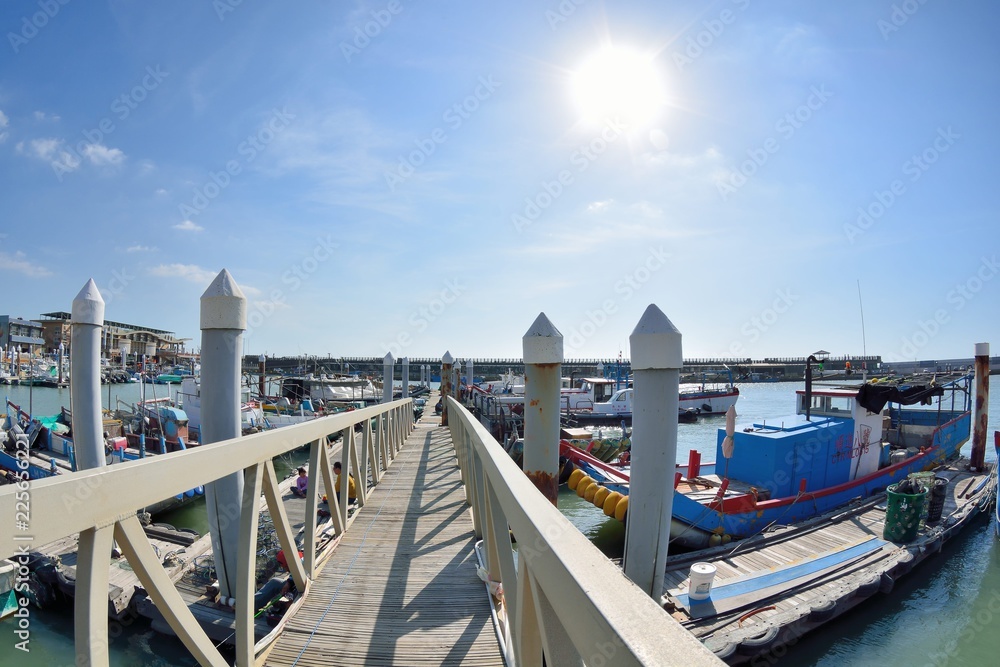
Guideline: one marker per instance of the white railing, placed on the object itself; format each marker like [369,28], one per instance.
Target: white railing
[563,598]
[101,506]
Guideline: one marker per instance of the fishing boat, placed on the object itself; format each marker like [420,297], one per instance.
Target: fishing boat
[51,450]
[842,445]
[996,471]
[329,388]
[608,396]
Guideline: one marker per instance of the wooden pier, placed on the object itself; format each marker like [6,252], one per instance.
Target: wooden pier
[401,586]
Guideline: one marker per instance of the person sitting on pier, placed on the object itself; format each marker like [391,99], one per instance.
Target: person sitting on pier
[352,494]
[275,588]
[301,483]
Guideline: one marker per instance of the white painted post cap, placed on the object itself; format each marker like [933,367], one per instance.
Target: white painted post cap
[223,305]
[655,342]
[447,358]
[88,306]
[387,359]
[982,349]
[542,343]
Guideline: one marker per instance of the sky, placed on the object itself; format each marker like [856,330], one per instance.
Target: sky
[415,177]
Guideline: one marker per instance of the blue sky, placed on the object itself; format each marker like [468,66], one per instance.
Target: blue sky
[417,176]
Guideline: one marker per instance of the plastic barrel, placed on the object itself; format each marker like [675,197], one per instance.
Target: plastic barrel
[902,515]
[935,502]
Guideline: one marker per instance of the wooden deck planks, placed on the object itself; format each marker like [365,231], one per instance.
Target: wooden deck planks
[401,587]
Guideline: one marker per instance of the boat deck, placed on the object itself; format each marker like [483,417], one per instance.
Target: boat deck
[774,587]
[401,586]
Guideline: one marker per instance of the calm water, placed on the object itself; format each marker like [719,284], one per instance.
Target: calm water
[946,612]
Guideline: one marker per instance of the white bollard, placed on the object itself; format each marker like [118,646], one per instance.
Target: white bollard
[470,378]
[387,373]
[406,377]
[543,357]
[223,320]
[656,363]
[85,371]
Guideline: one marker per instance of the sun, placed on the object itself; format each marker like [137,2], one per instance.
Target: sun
[618,83]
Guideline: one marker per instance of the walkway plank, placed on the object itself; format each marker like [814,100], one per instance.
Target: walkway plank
[401,587]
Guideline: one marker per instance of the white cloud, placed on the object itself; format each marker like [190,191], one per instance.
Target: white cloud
[161,191]
[190,272]
[139,248]
[4,122]
[50,150]
[647,209]
[18,263]
[42,116]
[599,206]
[189,226]
[100,155]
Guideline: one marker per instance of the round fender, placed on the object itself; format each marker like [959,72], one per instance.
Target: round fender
[823,611]
[758,643]
[869,587]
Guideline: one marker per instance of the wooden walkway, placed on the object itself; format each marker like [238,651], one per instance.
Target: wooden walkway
[401,587]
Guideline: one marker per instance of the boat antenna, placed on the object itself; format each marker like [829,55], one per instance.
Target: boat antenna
[864,343]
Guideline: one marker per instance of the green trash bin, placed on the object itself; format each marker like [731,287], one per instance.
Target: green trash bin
[902,515]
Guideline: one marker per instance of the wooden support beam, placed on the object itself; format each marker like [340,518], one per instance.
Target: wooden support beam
[133,542]
[312,504]
[90,608]
[247,566]
[282,526]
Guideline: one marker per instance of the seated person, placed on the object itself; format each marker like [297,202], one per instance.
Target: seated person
[274,588]
[352,494]
[301,484]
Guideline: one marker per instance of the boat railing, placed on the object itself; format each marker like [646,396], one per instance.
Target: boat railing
[564,599]
[101,504]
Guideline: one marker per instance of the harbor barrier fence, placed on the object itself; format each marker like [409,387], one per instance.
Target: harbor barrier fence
[564,599]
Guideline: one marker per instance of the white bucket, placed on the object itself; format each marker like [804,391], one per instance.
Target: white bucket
[700,584]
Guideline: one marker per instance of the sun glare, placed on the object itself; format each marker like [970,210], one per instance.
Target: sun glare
[618,83]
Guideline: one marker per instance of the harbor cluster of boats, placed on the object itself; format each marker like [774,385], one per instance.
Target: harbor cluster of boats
[800,517]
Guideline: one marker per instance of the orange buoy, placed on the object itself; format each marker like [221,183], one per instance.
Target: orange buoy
[611,502]
[575,477]
[581,488]
[591,491]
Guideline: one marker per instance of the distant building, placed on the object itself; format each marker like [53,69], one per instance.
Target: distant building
[17,332]
[133,338]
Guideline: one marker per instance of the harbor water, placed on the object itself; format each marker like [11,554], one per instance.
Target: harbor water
[946,612]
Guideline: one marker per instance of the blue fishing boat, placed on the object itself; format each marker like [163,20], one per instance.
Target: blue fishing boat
[844,444]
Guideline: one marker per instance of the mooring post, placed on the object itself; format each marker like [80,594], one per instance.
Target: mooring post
[977,460]
[456,382]
[469,378]
[95,544]
[261,383]
[85,390]
[656,363]
[406,377]
[387,363]
[62,351]
[543,356]
[223,321]
[446,362]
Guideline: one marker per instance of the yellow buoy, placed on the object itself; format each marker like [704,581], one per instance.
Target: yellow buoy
[611,502]
[621,509]
[575,477]
[591,491]
[601,496]
[727,538]
[581,488]
[714,540]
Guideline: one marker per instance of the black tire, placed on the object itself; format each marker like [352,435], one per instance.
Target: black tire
[726,652]
[165,526]
[823,612]
[869,587]
[759,643]
[886,583]
[903,566]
